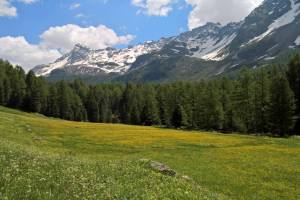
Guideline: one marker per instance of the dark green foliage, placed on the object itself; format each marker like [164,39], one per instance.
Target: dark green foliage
[35,93]
[92,106]
[226,90]
[259,101]
[18,88]
[244,101]
[149,115]
[64,101]
[214,115]
[179,118]
[52,107]
[282,106]
[293,75]
[130,105]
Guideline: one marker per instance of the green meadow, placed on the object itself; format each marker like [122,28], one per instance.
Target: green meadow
[44,158]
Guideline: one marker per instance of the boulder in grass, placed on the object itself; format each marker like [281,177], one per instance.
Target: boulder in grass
[185,177]
[37,138]
[164,169]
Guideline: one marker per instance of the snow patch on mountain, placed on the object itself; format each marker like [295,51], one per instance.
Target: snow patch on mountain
[297,41]
[109,60]
[209,41]
[284,20]
[56,65]
[216,52]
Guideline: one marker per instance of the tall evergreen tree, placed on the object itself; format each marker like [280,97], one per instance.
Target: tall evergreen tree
[164,105]
[226,88]
[261,101]
[65,101]
[282,106]
[92,106]
[33,93]
[18,86]
[52,103]
[213,114]
[243,101]
[130,105]
[149,115]
[179,118]
[293,75]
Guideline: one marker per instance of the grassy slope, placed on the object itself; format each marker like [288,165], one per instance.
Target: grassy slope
[84,159]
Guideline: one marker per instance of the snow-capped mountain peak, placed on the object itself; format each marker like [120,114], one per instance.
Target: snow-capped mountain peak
[271,30]
[283,20]
[83,60]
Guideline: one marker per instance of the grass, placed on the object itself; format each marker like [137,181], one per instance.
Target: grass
[42,158]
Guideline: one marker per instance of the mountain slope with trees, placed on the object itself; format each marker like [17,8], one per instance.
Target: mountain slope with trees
[262,101]
[268,35]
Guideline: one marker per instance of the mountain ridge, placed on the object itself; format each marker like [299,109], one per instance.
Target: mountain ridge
[269,31]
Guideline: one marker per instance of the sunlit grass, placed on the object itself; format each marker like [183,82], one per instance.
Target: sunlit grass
[235,166]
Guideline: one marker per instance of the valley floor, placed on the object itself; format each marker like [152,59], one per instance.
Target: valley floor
[42,158]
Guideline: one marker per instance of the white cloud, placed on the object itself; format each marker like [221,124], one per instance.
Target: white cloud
[74,6]
[65,37]
[203,11]
[8,10]
[28,1]
[19,52]
[154,7]
[80,15]
[58,39]
[223,11]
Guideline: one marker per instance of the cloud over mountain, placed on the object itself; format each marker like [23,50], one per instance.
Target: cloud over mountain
[18,51]
[65,37]
[223,11]
[57,40]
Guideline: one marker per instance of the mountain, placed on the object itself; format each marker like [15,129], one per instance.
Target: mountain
[82,60]
[268,34]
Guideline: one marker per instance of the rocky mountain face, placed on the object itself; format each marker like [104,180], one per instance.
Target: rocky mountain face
[82,60]
[271,31]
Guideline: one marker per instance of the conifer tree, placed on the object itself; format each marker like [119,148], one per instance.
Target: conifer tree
[149,115]
[243,101]
[281,107]
[293,75]
[261,101]
[214,115]
[78,108]
[226,88]
[92,107]
[33,93]
[18,86]
[164,105]
[179,118]
[65,101]
[52,102]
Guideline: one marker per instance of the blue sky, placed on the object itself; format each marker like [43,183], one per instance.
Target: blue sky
[34,32]
[120,15]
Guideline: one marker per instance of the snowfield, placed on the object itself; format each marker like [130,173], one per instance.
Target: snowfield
[284,20]
[297,41]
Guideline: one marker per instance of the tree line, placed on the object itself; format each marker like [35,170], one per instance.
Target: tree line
[259,101]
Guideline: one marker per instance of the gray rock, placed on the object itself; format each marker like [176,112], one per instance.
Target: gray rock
[185,177]
[164,169]
[37,138]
